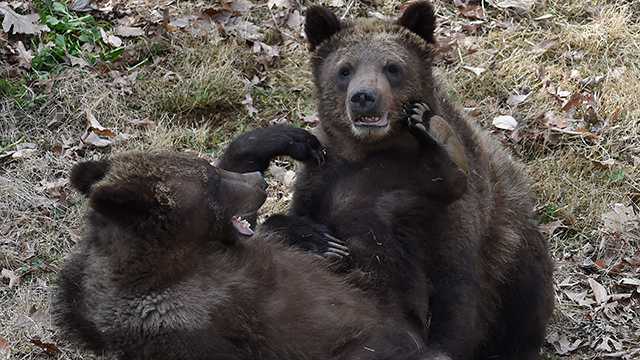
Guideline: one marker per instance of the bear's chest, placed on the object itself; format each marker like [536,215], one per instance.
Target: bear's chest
[374,190]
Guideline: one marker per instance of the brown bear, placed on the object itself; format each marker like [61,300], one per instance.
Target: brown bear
[459,255]
[162,273]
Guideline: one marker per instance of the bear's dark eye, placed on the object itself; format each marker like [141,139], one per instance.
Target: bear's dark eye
[392,69]
[345,72]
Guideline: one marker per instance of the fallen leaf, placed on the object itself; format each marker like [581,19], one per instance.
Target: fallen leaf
[128,31]
[14,279]
[49,348]
[599,291]
[561,344]
[96,134]
[241,6]
[543,17]
[245,30]
[470,11]
[552,120]
[579,298]
[55,188]
[515,100]
[476,70]
[522,5]
[505,122]
[24,56]
[620,219]
[573,102]
[549,228]
[110,39]
[144,123]
[630,281]
[311,119]
[4,346]
[543,47]
[77,61]
[282,175]
[248,104]
[295,20]
[81,5]
[282,4]
[20,24]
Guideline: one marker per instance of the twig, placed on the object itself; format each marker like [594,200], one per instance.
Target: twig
[347,10]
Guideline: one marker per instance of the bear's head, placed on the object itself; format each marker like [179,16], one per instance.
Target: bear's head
[167,198]
[366,71]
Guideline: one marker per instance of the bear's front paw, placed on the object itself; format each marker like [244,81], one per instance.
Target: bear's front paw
[418,116]
[304,146]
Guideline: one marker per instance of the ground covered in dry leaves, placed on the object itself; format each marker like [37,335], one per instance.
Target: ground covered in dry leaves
[558,82]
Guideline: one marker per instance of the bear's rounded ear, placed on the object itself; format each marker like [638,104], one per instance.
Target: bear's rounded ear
[320,24]
[124,201]
[85,174]
[419,18]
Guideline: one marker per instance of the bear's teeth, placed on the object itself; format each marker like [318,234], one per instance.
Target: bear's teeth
[242,225]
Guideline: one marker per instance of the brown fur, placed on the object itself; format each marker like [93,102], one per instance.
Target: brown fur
[490,231]
[439,217]
[161,274]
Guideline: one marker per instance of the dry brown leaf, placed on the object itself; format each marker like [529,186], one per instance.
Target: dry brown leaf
[552,120]
[521,5]
[515,100]
[620,219]
[248,104]
[505,122]
[55,188]
[281,4]
[24,56]
[77,61]
[49,348]
[20,24]
[245,30]
[240,6]
[561,344]
[599,291]
[295,20]
[128,31]
[14,279]
[311,119]
[579,298]
[471,11]
[143,123]
[476,70]
[110,39]
[81,5]
[4,348]
[96,134]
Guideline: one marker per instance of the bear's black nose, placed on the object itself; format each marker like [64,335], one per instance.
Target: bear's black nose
[364,101]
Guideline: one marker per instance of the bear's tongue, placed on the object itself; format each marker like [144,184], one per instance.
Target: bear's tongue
[242,226]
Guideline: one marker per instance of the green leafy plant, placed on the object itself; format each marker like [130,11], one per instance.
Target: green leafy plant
[73,35]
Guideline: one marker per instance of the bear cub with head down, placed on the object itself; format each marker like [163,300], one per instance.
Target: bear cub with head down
[432,209]
[161,273]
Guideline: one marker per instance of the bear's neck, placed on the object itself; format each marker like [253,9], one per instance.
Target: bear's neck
[352,149]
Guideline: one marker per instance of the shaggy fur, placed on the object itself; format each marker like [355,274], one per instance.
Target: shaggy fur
[475,242]
[161,274]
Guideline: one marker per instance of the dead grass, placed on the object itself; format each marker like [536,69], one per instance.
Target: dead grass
[192,90]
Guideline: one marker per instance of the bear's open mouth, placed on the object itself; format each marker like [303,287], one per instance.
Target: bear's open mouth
[373,120]
[242,225]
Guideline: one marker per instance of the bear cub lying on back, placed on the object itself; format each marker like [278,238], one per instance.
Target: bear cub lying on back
[162,274]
